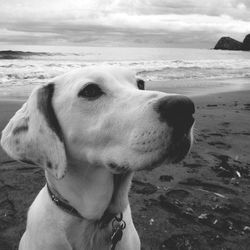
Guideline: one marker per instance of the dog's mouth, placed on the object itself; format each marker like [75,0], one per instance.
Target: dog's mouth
[177,151]
[172,153]
[151,152]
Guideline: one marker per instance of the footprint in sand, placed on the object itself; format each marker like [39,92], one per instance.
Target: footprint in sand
[212,105]
[7,212]
[181,241]
[247,106]
[141,187]
[167,178]
[225,124]
[216,134]
[220,145]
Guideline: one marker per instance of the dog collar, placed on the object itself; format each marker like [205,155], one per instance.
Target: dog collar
[63,204]
[118,224]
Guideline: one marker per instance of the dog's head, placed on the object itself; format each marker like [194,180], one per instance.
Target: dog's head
[100,116]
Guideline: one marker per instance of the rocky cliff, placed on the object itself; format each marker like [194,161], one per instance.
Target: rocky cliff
[246,43]
[228,43]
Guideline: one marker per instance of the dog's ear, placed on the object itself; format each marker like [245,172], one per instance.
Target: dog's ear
[34,135]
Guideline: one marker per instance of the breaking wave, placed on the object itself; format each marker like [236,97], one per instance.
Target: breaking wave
[25,68]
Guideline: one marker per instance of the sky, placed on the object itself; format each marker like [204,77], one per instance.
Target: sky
[143,23]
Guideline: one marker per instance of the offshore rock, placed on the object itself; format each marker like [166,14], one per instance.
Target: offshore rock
[228,43]
[246,43]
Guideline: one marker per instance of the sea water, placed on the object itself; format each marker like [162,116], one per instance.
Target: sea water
[152,64]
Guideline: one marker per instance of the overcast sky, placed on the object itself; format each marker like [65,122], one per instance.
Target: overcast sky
[164,23]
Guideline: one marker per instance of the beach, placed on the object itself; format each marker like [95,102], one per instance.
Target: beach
[201,203]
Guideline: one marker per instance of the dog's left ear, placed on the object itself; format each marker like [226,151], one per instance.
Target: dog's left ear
[34,135]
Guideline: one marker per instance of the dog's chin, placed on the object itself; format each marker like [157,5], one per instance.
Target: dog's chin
[172,154]
[118,168]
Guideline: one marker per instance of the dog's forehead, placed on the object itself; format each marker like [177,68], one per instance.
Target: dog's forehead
[100,74]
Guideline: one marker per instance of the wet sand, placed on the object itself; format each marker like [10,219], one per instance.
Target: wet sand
[200,203]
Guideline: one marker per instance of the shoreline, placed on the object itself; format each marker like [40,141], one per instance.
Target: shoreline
[189,87]
[200,87]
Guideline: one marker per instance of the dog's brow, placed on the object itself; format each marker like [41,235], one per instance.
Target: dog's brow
[97,79]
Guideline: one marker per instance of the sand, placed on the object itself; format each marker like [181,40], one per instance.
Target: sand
[200,203]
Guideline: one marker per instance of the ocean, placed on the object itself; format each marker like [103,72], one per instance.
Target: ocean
[19,68]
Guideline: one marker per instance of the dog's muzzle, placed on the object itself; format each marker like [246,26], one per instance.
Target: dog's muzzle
[169,140]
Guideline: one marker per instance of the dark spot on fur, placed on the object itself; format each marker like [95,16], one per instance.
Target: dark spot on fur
[21,129]
[49,164]
[24,126]
[17,141]
[41,130]
[44,104]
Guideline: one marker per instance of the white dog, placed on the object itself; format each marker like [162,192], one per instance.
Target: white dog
[90,130]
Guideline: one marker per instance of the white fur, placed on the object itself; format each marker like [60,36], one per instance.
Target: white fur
[121,127]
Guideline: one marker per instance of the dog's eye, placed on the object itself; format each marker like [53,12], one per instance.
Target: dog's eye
[140,84]
[91,91]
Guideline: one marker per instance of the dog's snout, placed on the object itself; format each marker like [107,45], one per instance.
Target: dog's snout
[177,111]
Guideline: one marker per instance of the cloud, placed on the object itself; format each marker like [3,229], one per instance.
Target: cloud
[149,22]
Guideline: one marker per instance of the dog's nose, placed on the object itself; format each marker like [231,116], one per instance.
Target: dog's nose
[177,111]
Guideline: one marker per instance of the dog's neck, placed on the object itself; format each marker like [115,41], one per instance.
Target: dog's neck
[93,190]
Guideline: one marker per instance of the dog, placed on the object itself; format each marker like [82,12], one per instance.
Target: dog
[90,129]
